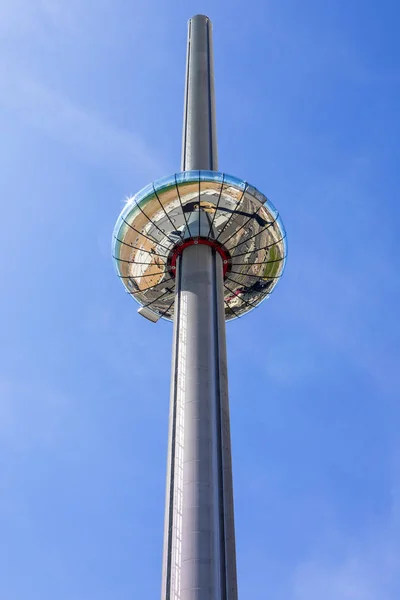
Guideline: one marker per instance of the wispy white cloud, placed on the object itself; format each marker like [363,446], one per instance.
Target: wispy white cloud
[335,564]
[363,568]
[83,131]
[46,18]
[363,571]
[28,28]
[314,49]
[344,272]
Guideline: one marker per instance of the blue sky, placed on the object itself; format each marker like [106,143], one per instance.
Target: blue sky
[91,109]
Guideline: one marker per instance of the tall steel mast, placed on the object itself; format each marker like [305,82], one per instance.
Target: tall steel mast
[198,248]
[199,543]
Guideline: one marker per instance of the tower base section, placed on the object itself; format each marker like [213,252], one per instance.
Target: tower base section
[199,544]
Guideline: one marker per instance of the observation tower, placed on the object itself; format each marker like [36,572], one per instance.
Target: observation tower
[199,248]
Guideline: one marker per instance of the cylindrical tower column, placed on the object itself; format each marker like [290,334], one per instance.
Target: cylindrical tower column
[199,144]
[199,544]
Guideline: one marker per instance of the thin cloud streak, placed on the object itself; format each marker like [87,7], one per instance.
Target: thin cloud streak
[364,571]
[86,133]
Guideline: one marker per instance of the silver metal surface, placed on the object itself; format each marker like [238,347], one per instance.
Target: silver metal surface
[199,542]
[242,219]
[199,546]
[199,145]
[149,314]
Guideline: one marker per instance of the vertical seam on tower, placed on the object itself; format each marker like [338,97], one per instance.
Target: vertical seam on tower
[172,479]
[186,97]
[199,203]
[222,563]
[210,114]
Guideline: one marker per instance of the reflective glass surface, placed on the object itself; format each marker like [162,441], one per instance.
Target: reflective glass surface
[241,219]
